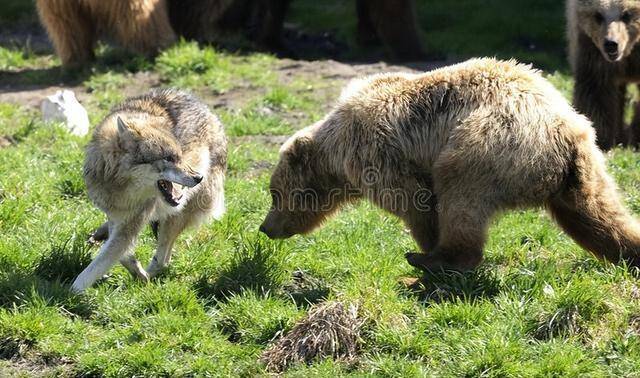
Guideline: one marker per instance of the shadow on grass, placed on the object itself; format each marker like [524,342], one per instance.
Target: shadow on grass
[48,280]
[256,265]
[109,59]
[259,266]
[304,289]
[446,286]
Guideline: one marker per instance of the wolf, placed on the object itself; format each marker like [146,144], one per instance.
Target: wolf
[159,158]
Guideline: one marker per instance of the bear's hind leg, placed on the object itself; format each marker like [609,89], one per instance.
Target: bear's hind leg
[144,27]
[70,28]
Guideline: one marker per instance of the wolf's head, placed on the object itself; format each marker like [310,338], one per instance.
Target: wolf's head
[612,25]
[155,157]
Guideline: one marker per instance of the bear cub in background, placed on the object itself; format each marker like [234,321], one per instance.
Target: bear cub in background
[602,36]
[447,150]
[158,158]
[74,26]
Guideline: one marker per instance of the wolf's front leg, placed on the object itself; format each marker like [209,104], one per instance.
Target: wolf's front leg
[168,231]
[122,238]
[134,267]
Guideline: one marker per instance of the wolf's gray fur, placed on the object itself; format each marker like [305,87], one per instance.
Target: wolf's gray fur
[160,157]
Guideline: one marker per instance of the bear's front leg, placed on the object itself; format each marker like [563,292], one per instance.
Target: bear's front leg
[462,222]
[598,96]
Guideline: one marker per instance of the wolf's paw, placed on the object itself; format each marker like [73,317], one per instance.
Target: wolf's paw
[154,269]
[135,268]
[99,235]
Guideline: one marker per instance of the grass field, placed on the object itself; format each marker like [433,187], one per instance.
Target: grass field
[538,306]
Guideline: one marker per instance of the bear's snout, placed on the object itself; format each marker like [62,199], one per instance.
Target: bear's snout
[272,233]
[612,49]
[274,226]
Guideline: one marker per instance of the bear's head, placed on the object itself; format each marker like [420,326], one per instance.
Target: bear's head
[612,25]
[303,192]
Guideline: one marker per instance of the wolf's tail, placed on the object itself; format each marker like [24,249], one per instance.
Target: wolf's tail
[590,210]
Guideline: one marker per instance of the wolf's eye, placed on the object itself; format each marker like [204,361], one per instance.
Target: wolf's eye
[626,17]
[170,158]
[599,18]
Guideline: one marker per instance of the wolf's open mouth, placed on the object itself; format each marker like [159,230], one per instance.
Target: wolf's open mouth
[171,192]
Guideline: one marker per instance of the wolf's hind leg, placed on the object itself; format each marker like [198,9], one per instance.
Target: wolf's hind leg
[120,243]
[100,234]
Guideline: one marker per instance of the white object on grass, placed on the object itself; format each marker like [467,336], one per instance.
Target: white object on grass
[64,107]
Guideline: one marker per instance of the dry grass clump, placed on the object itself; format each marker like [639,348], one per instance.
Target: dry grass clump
[331,329]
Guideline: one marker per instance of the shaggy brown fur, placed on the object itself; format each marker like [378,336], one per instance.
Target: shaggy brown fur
[209,20]
[74,26]
[602,38]
[447,150]
[394,24]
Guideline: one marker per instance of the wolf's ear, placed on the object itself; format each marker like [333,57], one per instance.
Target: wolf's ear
[122,126]
[127,134]
[126,130]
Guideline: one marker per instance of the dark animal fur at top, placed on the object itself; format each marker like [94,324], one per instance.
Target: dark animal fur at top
[388,22]
[208,20]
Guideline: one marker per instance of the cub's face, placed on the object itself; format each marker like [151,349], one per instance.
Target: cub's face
[612,25]
[301,196]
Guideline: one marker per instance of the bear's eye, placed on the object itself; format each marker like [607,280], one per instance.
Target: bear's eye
[599,18]
[626,17]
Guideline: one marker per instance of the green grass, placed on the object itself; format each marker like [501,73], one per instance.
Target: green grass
[538,306]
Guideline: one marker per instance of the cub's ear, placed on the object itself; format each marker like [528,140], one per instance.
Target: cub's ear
[301,151]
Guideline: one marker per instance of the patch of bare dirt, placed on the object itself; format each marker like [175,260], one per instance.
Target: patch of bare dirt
[275,140]
[6,141]
[32,95]
[36,368]
[234,98]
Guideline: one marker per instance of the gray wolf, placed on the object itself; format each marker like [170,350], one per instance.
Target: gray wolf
[160,158]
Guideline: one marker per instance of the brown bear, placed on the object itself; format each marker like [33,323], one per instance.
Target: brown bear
[445,151]
[602,36]
[141,26]
[210,20]
[392,23]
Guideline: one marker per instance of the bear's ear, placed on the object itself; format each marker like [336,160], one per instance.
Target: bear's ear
[301,151]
